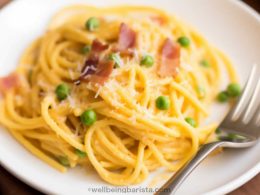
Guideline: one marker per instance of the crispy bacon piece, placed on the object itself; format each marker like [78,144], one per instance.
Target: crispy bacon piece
[89,66]
[170,59]
[104,69]
[95,69]
[8,82]
[97,46]
[97,72]
[127,38]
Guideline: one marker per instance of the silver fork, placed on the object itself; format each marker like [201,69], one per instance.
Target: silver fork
[239,129]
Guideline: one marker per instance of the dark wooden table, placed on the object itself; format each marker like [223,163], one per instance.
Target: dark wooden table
[9,185]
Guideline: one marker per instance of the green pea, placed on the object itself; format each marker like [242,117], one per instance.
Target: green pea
[92,23]
[147,61]
[236,137]
[80,153]
[233,137]
[64,161]
[163,103]
[88,117]
[218,131]
[86,49]
[191,121]
[116,58]
[223,97]
[205,63]
[233,90]
[184,41]
[62,91]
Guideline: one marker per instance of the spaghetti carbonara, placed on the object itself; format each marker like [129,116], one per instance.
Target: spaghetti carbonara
[124,89]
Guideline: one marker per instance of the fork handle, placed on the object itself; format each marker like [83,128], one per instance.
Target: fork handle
[171,186]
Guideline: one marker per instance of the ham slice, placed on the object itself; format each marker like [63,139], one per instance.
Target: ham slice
[127,38]
[170,59]
[8,82]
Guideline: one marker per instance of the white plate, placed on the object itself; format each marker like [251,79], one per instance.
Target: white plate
[228,24]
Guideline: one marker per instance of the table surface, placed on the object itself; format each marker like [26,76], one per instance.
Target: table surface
[9,185]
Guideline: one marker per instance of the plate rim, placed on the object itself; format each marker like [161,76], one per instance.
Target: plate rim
[224,189]
[247,176]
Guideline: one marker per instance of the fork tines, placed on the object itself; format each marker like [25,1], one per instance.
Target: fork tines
[248,106]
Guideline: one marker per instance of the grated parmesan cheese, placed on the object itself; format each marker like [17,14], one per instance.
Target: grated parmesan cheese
[76,133]
[136,55]
[133,119]
[187,67]
[91,67]
[71,102]
[98,91]
[79,67]
[71,74]
[42,84]
[145,111]
[110,18]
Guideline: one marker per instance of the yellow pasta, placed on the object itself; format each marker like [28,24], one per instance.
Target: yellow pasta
[131,136]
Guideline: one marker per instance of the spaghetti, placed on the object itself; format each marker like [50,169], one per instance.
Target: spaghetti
[144,77]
